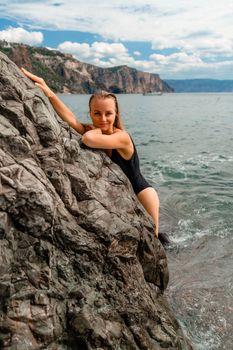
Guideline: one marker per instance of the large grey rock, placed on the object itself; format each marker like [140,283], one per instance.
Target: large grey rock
[80,267]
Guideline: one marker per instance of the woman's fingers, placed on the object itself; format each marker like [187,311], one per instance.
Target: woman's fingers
[157,223]
[42,87]
[38,82]
[45,89]
[32,76]
[157,232]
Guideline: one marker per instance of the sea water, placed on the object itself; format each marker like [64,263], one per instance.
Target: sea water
[185,145]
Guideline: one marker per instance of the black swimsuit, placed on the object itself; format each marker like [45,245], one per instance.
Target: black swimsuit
[131,169]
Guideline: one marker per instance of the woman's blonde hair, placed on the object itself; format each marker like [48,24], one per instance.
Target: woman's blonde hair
[104,94]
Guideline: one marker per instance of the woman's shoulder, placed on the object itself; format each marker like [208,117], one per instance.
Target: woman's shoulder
[123,132]
[127,151]
[118,130]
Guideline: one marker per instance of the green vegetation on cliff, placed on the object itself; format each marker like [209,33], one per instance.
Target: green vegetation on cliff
[63,73]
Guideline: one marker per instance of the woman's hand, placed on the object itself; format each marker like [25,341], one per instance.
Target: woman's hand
[38,82]
[62,110]
[88,127]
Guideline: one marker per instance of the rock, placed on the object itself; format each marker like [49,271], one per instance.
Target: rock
[80,267]
[64,73]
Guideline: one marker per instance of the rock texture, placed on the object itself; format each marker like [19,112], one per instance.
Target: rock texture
[79,265]
[63,73]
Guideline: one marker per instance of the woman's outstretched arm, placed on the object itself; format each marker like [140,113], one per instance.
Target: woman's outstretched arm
[62,110]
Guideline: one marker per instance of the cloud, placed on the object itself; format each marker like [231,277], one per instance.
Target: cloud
[163,22]
[104,54]
[179,65]
[106,49]
[94,52]
[199,30]
[81,51]
[182,66]
[179,57]
[20,35]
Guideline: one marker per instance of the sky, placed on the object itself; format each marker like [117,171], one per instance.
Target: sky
[177,39]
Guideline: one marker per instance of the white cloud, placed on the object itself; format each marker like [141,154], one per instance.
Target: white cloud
[81,51]
[183,66]
[137,53]
[179,57]
[163,22]
[106,49]
[98,50]
[104,54]
[20,35]
[179,65]
[199,30]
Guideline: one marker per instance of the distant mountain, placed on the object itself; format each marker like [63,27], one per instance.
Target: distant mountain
[63,73]
[201,85]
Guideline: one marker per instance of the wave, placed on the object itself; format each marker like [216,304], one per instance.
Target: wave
[188,216]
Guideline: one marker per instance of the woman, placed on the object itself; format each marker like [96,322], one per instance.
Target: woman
[107,133]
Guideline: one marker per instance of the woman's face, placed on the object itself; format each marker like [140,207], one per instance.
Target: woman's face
[103,114]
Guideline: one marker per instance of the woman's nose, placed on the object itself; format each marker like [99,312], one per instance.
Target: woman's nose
[103,117]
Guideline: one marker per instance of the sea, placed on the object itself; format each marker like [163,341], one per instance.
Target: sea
[185,145]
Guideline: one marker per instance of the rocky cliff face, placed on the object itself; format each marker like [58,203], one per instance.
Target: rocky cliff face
[65,74]
[80,267]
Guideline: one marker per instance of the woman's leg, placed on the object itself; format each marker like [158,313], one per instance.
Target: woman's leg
[150,201]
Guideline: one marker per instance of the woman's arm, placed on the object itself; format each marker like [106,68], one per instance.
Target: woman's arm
[96,139]
[62,110]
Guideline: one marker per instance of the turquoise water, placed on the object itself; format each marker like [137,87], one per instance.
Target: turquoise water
[185,144]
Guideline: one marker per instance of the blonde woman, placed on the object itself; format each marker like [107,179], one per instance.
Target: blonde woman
[106,132]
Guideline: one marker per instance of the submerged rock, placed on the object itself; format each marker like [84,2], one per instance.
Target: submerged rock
[80,267]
